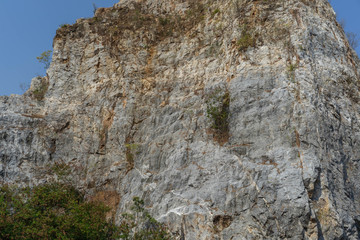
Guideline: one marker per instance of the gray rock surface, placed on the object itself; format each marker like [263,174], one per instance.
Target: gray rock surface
[124,107]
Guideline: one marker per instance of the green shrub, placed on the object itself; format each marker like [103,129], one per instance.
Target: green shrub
[141,225]
[64,25]
[61,169]
[246,40]
[52,211]
[164,21]
[59,211]
[217,110]
[291,71]
[40,91]
[216,11]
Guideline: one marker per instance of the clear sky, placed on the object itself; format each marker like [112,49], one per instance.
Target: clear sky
[27,28]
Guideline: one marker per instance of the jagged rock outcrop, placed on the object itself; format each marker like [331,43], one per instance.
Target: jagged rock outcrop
[125,107]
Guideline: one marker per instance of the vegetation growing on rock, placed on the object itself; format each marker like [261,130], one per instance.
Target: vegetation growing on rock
[45,58]
[59,211]
[218,103]
[141,225]
[52,211]
[40,91]
[246,40]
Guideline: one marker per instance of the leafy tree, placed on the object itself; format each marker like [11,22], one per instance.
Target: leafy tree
[45,58]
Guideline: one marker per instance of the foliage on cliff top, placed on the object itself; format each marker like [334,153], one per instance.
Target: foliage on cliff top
[113,23]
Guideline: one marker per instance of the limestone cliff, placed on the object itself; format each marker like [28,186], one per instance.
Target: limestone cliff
[125,107]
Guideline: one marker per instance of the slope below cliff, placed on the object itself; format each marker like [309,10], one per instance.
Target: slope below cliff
[125,106]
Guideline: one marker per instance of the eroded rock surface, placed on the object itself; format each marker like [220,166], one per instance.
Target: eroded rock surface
[124,108]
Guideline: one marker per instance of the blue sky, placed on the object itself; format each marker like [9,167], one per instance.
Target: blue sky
[27,28]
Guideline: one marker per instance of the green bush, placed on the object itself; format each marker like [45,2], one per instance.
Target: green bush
[291,71]
[52,211]
[40,91]
[64,25]
[246,40]
[141,225]
[58,211]
[218,103]
[216,11]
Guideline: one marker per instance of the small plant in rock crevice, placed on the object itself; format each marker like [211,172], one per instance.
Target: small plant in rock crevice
[291,71]
[216,11]
[140,225]
[246,40]
[131,150]
[61,169]
[218,111]
[64,25]
[40,91]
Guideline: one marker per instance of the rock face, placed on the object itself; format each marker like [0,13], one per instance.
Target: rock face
[125,108]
